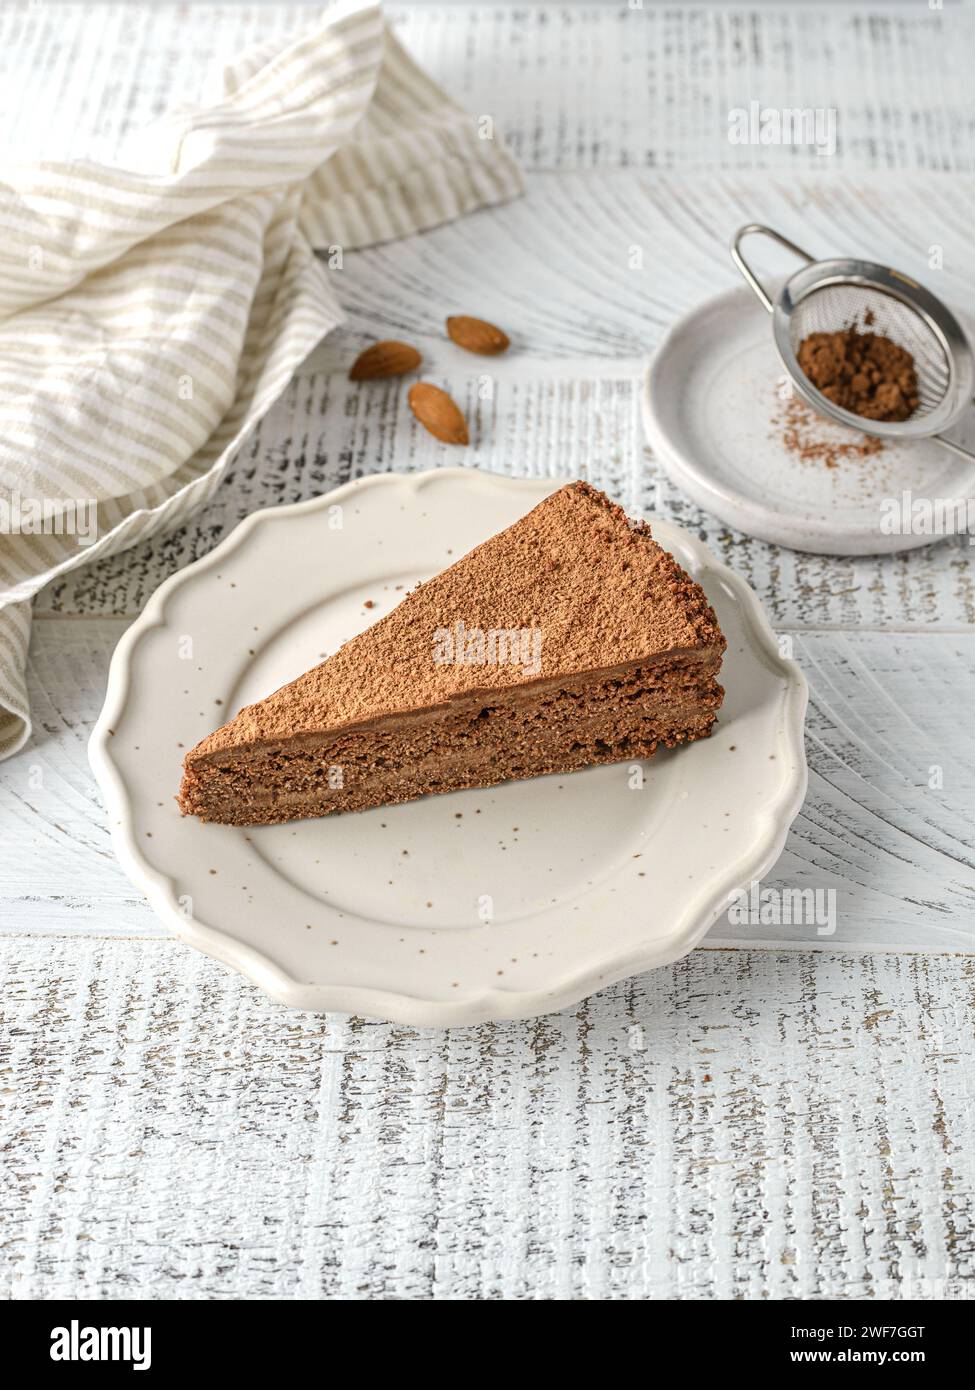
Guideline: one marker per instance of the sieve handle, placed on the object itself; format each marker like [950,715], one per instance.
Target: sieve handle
[955,448]
[745,268]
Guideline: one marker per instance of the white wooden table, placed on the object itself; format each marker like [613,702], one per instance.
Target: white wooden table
[778,1115]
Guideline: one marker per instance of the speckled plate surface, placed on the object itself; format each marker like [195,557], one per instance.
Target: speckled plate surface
[715,419]
[454,909]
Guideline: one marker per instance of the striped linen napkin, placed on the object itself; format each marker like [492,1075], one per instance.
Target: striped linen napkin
[151,312]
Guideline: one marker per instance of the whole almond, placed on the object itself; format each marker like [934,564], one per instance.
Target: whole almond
[438,413]
[476,335]
[387,358]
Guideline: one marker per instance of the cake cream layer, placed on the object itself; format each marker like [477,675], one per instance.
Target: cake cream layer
[625,715]
[222,757]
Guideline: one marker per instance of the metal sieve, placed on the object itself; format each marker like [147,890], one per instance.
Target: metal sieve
[830,296]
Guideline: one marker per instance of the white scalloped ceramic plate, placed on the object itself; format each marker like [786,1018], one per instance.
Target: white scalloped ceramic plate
[586,878]
[709,411]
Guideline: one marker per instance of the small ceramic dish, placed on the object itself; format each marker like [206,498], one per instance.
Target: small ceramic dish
[714,411]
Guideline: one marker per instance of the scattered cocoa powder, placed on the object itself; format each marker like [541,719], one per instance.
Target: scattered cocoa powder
[862,372]
[803,433]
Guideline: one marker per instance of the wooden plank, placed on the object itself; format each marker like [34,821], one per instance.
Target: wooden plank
[751,1125]
[650,85]
[894,850]
[886,826]
[641,85]
[57,867]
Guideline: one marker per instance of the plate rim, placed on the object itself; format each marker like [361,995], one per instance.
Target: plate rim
[734,509]
[486,1004]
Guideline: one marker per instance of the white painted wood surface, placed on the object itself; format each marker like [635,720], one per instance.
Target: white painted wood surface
[758,1123]
[742,1124]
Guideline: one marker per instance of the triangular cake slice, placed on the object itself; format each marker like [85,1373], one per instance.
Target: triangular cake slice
[567,640]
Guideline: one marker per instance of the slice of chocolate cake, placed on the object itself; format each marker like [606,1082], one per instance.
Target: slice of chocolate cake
[567,640]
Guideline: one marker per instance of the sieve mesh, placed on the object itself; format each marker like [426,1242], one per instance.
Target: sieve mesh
[836,307]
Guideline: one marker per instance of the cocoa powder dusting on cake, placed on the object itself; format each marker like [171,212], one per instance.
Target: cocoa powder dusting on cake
[615,595]
[630,664]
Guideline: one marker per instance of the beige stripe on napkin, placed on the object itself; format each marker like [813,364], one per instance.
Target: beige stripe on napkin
[151,312]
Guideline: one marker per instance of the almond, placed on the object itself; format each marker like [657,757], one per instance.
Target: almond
[387,358]
[477,336]
[438,413]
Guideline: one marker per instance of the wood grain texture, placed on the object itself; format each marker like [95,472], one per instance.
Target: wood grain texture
[739,1125]
[554,270]
[647,85]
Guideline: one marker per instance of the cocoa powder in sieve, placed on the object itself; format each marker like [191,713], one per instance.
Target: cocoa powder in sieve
[862,372]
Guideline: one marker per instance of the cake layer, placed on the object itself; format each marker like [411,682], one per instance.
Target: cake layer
[569,639]
[594,588]
[551,727]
